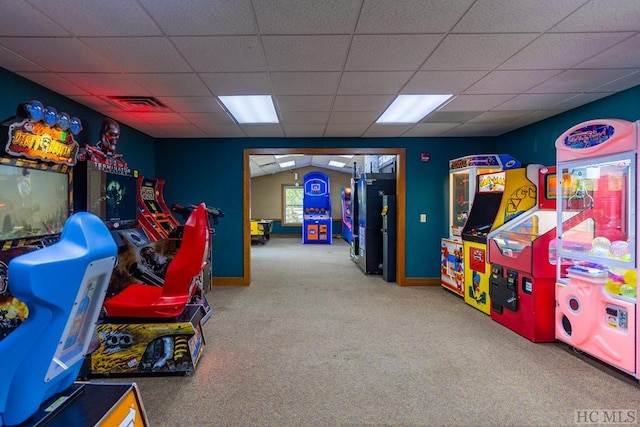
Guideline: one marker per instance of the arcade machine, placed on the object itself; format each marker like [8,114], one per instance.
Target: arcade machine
[389,240]
[54,269]
[463,172]
[500,197]
[131,344]
[596,295]
[371,188]
[316,207]
[522,257]
[345,197]
[154,216]
[354,244]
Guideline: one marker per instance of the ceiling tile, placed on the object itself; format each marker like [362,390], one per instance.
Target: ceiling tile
[475,102]
[106,84]
[603,15]
[506,82]
[269,131]
[305,53]
[305,83]
[178,131]
[165,119]
[304,117]
[54,53]
[504,16]
[171,84]
[410,16]
[386,131]
[451,116]
[575,81]
[17,63]
[55,83]
[139,54]
[533,101]
[314,131]
[202,17]
[475,51]
[192,104]
[221,53]
[306,16]
[345,130]
[558,51]
[237,83]
[390,52]
[13,23]
[353,117]
[625,54]
[579,100]
[619,85]
[95,102]
[373,83]
[479,129]
[536,116]
[499,116]
[377,103]
[438,82]
[430,129]
[203,118]
[100,18]
[215,130]
[304,103]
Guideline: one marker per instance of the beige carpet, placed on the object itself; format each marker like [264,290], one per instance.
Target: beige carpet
[315,342]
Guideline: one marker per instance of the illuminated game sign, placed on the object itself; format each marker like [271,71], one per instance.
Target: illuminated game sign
[43,135]
[491,182]
[589,136]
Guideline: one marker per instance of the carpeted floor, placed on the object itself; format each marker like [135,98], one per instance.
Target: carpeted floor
[315,342]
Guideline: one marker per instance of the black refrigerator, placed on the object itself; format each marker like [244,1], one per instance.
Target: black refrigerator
[371,188]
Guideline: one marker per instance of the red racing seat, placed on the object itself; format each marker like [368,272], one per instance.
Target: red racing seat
[141,300]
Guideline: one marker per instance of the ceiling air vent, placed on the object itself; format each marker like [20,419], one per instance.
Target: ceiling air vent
[138,103]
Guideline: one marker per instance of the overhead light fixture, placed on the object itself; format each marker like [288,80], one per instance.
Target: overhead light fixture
[411,108]
[336,164]
[251,108]
[287,164]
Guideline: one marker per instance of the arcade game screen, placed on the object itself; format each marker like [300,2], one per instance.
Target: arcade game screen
[112,197]
[32,202]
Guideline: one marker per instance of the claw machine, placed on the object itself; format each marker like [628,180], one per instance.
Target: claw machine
[523,266]
[463,172]
[500,197]
[596,291]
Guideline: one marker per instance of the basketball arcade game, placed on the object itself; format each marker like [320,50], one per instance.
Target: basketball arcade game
[596,295]
[463,174]
[522,257]
[316,208]
[500,197]
[53,277]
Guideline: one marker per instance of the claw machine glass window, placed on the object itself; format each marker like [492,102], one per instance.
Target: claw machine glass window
[599,240]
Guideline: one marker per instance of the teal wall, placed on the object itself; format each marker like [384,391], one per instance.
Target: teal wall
[137,148]
[210,171]
[536,143]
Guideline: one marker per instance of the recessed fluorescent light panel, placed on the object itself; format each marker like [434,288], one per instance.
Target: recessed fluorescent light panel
[411,108]
[251,108]
[336,164]
[287,164]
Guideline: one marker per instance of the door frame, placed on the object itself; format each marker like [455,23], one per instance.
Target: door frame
[401,186]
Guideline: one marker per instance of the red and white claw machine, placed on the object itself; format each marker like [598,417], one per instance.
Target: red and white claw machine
[463,172]
[597,253]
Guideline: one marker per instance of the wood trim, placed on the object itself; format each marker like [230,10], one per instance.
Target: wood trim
[422,281]
[228,281]
[401,188]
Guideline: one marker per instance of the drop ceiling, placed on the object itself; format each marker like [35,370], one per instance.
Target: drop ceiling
[331,66]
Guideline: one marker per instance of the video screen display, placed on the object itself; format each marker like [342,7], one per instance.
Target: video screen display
[33,202]
[112,197]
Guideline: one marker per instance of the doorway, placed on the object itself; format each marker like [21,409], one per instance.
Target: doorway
[400,196]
